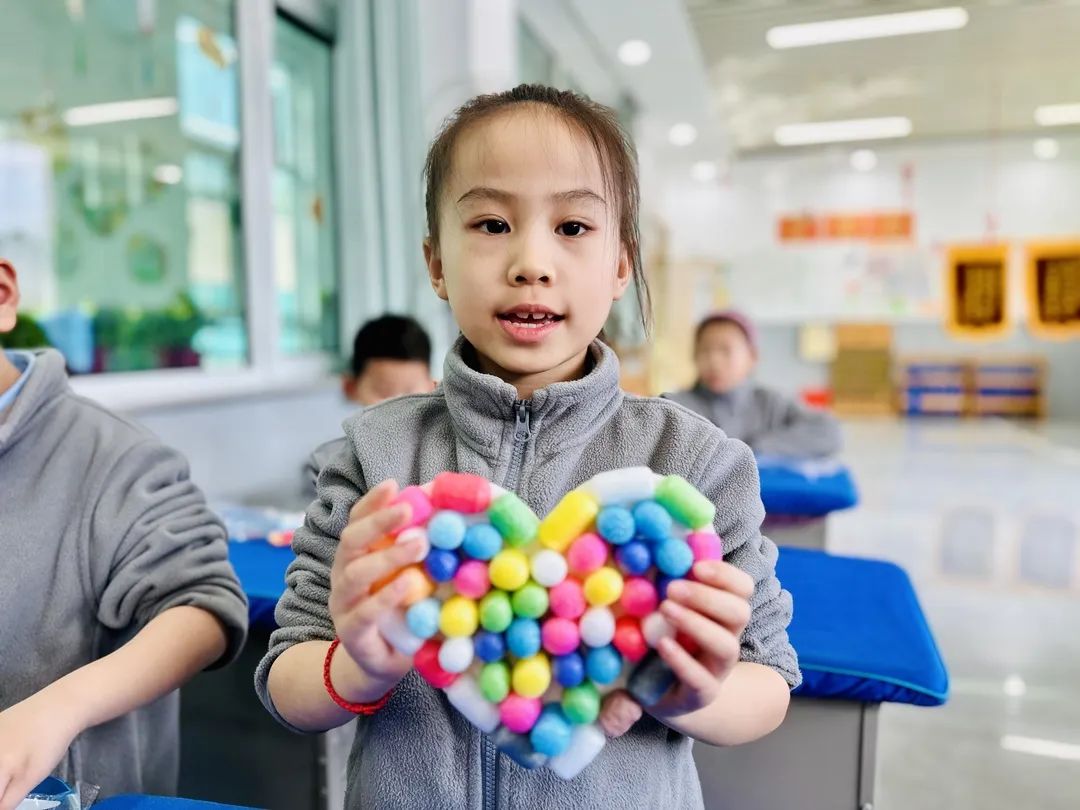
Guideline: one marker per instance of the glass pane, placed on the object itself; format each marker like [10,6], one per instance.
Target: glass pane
[305,232]
[119,132]
[535,62]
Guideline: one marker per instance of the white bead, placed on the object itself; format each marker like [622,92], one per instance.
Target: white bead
[597,627]
[585,743]
[393,628]
[456,654]
[655,627]
[415,533]
[549,568]
[626,486]
[464,695]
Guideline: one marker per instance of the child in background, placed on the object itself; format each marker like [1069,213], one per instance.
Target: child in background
[532,213]
[725,351]
[115,586]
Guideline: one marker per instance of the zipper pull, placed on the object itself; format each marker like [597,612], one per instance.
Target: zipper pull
[521,428]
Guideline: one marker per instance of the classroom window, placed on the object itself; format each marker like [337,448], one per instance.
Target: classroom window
[305,233]
[119,203]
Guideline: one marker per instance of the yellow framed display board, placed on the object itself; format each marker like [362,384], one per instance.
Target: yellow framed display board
[976,291]
[1053,288]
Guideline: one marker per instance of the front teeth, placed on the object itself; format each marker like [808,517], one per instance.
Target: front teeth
[538,316]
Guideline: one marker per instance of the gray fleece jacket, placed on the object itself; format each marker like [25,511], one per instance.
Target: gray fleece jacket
[770,422]
[100,531]
[418,752]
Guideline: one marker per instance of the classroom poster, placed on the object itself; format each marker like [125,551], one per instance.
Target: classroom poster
[976,291]
[1053,276]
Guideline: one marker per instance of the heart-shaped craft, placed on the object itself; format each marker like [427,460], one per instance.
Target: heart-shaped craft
[527,623]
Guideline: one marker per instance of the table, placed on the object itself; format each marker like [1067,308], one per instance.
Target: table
[800,495]
[132,802]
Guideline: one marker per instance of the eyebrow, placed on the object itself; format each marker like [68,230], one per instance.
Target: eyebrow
[498,195]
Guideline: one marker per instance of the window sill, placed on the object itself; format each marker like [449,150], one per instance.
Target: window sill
[167,388]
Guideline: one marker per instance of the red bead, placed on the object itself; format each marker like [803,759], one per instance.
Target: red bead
[461,492]
[426,662]
[629,639]
[687,643]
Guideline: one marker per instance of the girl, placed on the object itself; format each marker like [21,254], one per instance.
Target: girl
[532,205]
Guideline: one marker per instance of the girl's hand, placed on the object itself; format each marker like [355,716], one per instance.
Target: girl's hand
[353,607]
[34,736]
[618,713]
[712,612]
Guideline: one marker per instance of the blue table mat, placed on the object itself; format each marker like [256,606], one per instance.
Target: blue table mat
[806,489]
[135,802]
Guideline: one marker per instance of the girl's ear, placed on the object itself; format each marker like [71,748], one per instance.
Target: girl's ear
[433,260]
[624,274]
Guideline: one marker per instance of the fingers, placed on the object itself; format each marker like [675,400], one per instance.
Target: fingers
[14,792]
[715,639]
[619,713]
[724,607]
[691,673]
[364,616]
[358,576]
[359,535]
[376,498]
[725,577]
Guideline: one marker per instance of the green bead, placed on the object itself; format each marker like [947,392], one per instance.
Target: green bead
[495,681]
[495,611]
[530,601]
[684,503]
[581,704]
[514,519]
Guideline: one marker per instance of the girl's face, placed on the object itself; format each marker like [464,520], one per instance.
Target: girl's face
[529,254]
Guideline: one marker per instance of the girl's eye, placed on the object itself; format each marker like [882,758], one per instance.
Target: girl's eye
[493,226]
[572,229]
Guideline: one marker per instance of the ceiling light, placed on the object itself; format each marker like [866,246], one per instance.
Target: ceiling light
[168,174]
[118,111]
[705,171]
[864,160]
[1057,115]
[682,134]
[634,52]
[860,129]
[1047,149]
[859,28]
[1014,686]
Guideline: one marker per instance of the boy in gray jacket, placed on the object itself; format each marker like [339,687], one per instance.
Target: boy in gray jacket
[115,586]
[725,351]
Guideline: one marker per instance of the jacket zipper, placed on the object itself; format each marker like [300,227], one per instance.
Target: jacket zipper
[489,763]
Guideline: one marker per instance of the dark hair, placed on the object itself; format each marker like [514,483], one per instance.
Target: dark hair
[390,337]
[601,128]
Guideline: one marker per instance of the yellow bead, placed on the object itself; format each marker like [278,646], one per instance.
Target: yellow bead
[532,676]
[509,569]
[458,617]
[603,587]
[571,518]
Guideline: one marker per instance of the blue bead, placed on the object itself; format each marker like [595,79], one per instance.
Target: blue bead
[650,680]
[489,646]
[423,618]
[523,637]
[551,734]
[446,530]
[518,748]
[441,564]
[674,557]
[634,558]
[603,664]
[652,520]
[569,669]
[482,541]
[662,583]
[615,524]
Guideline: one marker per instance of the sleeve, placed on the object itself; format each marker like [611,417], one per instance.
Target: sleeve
[798,431]
[303,612]
[728,476]
[156,545]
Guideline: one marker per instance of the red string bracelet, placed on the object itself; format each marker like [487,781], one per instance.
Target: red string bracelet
[365,709]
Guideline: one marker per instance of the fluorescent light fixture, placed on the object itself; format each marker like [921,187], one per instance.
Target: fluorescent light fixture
[1014,686]
[852,29]
[118,111]
[634,52]
[682,134]
[1057,115]
[859,129]
[1046,149]
[1041,748]
[705,171]
[168,174]
[864,160]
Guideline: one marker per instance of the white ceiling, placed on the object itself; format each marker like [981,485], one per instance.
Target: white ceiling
[986,78]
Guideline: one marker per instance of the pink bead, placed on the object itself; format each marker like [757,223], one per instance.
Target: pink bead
[461,492]
[567,599]
[587,553]
[560,636]
[472,580]
[421,506]
[706,546]
[639,597]
[519,713]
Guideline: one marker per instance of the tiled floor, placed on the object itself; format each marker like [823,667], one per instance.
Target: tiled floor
[985,517]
